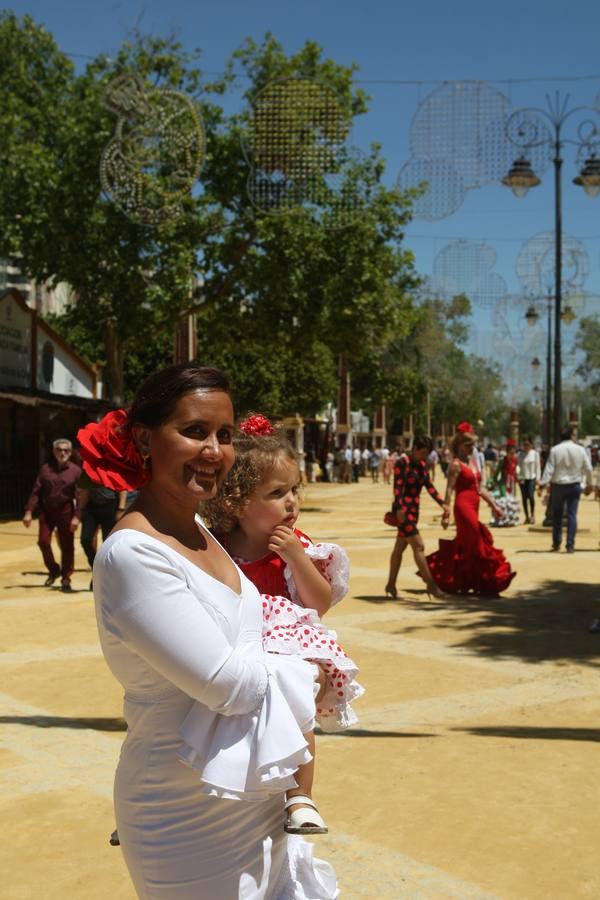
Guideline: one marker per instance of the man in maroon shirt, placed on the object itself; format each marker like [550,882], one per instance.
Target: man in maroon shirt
[54,494]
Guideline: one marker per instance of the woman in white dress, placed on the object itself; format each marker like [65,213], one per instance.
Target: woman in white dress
[180,623]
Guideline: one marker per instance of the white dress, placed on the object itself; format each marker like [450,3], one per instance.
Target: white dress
[172,635]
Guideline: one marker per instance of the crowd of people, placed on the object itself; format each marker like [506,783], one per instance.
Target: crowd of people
[209,601]
[470,562]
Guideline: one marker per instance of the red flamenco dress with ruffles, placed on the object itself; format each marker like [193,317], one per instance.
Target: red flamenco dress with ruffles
[470,562]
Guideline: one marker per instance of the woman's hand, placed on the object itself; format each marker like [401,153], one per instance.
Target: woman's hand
[497,510]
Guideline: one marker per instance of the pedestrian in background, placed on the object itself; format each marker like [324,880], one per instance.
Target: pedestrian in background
[374,463]
[491,461]
[529,471]
[100,508]
[53,494]
[568,467]
[432,461]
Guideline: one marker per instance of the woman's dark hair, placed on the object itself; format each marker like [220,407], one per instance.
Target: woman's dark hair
[528,439]
[157,397]
[422,442]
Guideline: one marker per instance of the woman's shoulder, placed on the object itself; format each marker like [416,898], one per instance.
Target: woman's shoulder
[132,545]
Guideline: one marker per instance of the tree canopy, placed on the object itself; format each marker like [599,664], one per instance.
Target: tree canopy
[279,292]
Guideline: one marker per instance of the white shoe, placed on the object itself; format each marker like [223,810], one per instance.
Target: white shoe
[304,821]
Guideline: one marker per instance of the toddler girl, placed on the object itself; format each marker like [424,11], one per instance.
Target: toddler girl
[254,517]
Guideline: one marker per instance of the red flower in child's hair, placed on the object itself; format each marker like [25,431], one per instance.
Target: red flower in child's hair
[109,454]
[465,428]
[257,425]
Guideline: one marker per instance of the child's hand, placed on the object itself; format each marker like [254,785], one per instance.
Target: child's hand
[285,543]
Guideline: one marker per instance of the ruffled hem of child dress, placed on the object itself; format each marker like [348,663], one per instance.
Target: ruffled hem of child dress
[292,629]
[250,756]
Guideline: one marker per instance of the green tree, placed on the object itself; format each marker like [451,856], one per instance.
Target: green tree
[286,293]
[431,372]
[588,343]
[132,281]
[282,295]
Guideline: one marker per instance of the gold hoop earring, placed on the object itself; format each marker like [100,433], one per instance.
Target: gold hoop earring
[145,458]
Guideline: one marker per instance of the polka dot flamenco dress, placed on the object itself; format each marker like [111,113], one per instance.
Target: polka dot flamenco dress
[290,628]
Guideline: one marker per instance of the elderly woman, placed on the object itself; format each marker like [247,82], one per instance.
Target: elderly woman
[180,623]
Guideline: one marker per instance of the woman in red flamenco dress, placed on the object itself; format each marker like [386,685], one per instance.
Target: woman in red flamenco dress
[470,562]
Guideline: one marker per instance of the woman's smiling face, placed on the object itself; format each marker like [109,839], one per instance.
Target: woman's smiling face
[192,452]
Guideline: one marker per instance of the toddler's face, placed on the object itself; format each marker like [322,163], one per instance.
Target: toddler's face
[275,500]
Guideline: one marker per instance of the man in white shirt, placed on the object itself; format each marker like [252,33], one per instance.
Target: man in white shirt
[567,468]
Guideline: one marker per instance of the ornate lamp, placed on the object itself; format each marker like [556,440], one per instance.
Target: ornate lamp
[521,177]
[589,177]
[532,315]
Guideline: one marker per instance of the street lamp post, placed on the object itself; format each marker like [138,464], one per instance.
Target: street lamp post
[528,128]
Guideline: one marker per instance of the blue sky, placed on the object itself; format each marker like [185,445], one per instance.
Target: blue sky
[405,51]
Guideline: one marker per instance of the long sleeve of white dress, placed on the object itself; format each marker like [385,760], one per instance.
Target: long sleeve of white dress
[159,617]
[163,617]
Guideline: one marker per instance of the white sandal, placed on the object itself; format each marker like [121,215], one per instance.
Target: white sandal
[304,821]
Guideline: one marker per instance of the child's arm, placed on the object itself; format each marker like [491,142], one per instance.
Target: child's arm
[313,588]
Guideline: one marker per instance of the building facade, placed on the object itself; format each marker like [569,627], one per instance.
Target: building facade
[46,392]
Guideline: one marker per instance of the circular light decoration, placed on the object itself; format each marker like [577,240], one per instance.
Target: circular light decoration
[536,265]
[443,189]
[457,142]
[466,267]
[155,156]
[295,144]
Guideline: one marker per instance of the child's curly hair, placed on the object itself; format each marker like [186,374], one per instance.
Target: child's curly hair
[255,457]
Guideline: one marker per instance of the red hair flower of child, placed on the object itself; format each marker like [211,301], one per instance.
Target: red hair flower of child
[109,454]
[465,428]
[257,425]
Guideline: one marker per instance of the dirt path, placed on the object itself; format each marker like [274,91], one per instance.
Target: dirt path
[472,771]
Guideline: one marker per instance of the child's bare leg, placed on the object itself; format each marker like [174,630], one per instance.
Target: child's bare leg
[395,563]
[418,550]
[304,776]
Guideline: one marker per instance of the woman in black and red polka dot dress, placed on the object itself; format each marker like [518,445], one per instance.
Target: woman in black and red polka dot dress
[410,477]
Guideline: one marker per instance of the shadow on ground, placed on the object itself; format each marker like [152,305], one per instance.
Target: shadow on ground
[549,623]
[365,733]
[66,722]
[535,733]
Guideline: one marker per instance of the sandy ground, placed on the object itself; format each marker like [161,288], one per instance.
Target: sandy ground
[471,774]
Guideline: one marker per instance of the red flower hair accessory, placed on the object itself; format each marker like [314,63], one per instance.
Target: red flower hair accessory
[257,425]
[465,428]
[109,454]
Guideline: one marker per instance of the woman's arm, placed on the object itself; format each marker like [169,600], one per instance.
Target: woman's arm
[313,588]
[485,495]
[453,472]
[433,492]
[146,604]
